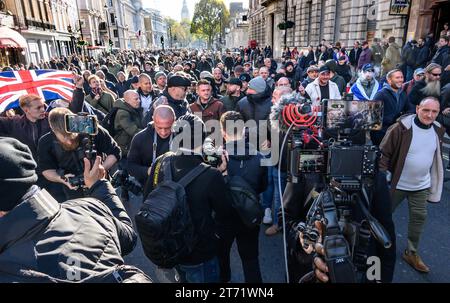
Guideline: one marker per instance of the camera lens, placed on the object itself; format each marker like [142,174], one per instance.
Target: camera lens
[305,109]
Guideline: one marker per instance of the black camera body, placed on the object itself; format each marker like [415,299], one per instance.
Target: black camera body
[321,144]
[121,178]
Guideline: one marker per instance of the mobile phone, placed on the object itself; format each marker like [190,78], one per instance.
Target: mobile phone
[81,124]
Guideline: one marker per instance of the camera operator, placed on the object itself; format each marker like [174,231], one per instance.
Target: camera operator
[61,151]
[208,199]
[244,161]
[150,143]
[35,227]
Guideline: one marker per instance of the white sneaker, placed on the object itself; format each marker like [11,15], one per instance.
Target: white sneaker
[267,216]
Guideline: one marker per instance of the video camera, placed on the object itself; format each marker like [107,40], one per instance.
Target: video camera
[319,140]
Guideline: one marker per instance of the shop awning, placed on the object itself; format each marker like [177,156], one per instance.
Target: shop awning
[11,38]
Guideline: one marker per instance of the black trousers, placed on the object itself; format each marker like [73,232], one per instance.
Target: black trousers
[247,240]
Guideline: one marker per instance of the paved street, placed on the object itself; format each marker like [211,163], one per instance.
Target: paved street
[435,247]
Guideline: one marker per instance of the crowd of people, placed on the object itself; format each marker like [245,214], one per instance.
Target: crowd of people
[138,96]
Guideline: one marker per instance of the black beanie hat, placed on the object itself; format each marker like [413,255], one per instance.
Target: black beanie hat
[17,173]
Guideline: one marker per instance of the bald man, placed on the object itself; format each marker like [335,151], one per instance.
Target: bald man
[157,134]
[412,160]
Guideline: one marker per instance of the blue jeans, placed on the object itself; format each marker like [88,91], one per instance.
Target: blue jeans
[272,192]
[206,272]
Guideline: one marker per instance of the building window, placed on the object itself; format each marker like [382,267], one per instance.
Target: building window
[112,18]
[116,33]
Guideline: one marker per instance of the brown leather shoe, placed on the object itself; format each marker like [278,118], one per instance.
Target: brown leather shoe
[415,261]
[273,230]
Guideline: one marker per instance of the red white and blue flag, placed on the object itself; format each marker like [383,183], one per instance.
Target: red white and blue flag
[49,84]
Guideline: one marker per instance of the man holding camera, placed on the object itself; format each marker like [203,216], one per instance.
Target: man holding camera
[208,208]
[60,153]
[35,227]
[244,161]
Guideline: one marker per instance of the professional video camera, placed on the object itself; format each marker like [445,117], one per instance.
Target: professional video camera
[87,127]
[121,178]
[319,142]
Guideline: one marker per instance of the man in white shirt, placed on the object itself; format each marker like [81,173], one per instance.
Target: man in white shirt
[411,157]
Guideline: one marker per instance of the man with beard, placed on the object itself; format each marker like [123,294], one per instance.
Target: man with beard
[366,87]
[233,94]
[395,103]
[245,79]
[60,154]
[335,77]
[161,82]
[428,87]
[441,56]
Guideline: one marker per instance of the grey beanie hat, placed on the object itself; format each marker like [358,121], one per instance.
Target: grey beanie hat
[258,84]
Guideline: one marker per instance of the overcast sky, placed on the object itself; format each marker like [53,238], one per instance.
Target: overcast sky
[172,8]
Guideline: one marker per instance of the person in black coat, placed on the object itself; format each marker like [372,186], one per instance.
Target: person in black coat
[243,161]
[157,134]
[423,54]
[442,53]
[69,241]
[208,199]
[354,54]
[395,103]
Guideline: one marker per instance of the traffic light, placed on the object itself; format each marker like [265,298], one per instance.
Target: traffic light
[162,40]
[111,43]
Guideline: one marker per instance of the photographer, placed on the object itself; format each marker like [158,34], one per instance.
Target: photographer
[61,151]
[150,143]
[208,200]
[244,161]
[35,227]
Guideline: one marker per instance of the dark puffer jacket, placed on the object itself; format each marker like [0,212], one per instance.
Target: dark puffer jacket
[83,234]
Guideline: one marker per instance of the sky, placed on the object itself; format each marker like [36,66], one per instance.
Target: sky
[172,8]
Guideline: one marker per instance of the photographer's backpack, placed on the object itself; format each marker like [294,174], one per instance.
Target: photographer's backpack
[164,222]
[245,201]
[15,273]
[108,122]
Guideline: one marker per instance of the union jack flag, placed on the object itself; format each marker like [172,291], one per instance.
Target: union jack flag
[49,84]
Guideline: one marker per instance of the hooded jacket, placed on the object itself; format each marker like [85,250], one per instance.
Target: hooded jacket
[395,147]
[256,107]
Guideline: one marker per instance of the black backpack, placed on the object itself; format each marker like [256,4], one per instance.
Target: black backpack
[164,222]
[15,273]
[108,122]
[245,201]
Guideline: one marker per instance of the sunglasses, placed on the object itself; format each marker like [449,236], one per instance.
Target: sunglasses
[436,75]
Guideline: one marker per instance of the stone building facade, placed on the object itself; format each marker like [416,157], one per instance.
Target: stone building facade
[340,20]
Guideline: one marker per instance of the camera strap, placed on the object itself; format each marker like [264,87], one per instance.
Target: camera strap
[155,143]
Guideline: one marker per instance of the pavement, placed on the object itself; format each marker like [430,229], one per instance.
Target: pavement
[434,246]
